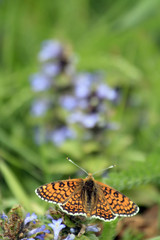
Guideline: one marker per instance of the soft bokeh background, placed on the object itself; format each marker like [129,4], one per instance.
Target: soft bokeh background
[120,38]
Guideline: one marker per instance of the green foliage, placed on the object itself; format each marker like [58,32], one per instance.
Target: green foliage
[118,37]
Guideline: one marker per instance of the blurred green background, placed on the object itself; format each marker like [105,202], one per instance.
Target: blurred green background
[122,38]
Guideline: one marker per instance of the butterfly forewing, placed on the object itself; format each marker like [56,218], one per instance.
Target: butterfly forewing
[58,192]
[119,204]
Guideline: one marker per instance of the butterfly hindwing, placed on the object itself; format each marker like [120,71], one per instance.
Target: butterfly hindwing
[102,210]
[74,205]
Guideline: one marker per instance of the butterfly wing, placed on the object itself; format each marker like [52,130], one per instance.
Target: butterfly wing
[102,210]
[119,204]
[58,192]
[74,205]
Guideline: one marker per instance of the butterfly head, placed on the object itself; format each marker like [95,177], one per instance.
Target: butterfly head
[89,177]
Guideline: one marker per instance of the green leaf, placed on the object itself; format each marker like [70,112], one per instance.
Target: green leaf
[14,185]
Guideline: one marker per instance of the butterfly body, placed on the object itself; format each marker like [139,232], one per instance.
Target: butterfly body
[88,197]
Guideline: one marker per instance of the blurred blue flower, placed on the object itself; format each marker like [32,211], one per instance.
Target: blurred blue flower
[30,218]
[51,69]
[93,228]
[59,135]
[56,226]
[38,230]
[105,92]
[40,82]
[87,120]
[75,117]
[41,236]
[3,216]
[90,120]
[49,216]
[83,96]
[83,84]
[70,237]
[50,50]
[68,102]
[39,107]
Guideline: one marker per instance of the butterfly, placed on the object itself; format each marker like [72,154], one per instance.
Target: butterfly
[88,197]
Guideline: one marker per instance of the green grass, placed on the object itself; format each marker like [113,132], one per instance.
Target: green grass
[121,38]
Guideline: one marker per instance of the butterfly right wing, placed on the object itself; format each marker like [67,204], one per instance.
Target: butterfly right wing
[119,204]
[58,192]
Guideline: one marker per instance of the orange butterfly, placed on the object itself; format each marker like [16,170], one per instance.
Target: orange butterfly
[88,197]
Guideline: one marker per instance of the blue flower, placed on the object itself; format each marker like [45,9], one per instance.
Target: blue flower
[56,226]
[105,92]
[51,69]
[70,237]
[50,50]
[87,120]
[38,230]
[41,236]
[59,135]
[93,228]
[90,120]
[68,102]
[39,107]
[30,218]
[3,216]
[40,82]
[83,84]
[28,238]
[49,216]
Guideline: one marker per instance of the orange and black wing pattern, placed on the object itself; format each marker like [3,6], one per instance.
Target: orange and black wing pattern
[102,210]
[58,192]
[74,205]
[119,204]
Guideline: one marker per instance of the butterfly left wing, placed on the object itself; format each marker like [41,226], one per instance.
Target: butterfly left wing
[119,204]
[58,192]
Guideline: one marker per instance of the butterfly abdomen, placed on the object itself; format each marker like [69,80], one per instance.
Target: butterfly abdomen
[89,195]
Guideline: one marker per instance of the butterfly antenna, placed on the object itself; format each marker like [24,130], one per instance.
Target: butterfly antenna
[104,169]
[77,165]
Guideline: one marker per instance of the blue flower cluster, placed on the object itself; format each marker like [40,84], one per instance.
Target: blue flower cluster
[69,102]
[27,229]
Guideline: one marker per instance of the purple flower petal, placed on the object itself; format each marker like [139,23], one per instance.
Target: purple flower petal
[56,226]
[90,120]
[70,237]
[40,82]
[68,102]
[3,216]
[51,69]
[83,85]
[105,92]
[50,50]
[58,136]
[38,230]
[39,107]
[92,228]
[75,117]
[49,216]
[30,218]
